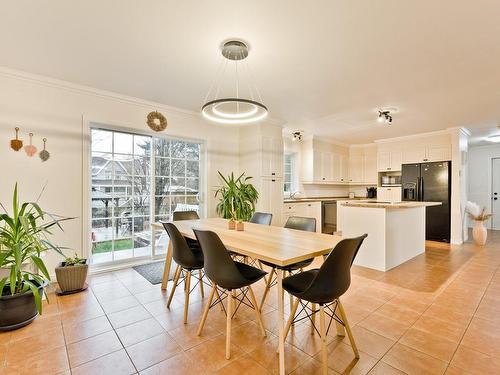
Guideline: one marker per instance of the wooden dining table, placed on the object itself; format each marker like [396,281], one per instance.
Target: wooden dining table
[276,245]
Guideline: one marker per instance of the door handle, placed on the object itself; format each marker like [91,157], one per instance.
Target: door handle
[495,198]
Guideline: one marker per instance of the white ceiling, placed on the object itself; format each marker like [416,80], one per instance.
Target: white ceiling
[322,66]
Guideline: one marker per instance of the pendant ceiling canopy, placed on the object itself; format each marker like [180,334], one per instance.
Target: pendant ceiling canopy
[234,109]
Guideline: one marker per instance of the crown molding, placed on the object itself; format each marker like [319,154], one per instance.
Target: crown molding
[415,136]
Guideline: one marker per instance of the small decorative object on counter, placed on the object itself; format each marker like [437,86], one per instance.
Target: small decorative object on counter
[71,275]
[231,224]
[30,149]
[44,154]
[479,215]
[156,121]
[16,144]
[240,226]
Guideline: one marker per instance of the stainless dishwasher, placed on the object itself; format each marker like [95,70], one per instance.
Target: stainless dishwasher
[329,217]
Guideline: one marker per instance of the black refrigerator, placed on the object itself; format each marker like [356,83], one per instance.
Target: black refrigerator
[430,182]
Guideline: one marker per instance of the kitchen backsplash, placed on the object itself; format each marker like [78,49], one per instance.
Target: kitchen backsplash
[311,190]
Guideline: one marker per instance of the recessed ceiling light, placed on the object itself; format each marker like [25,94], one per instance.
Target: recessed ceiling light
[494,138]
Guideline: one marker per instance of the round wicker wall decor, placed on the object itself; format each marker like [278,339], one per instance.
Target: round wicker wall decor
[156,121]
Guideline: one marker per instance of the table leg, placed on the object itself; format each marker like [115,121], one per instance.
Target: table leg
[281,317]
[168,263]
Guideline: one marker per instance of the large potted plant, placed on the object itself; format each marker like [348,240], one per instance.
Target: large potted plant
[23,239]
[237,199]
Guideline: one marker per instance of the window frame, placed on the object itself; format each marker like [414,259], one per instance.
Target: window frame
[294,178]
[87,186]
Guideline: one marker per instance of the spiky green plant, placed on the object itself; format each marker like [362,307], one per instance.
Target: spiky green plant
[23,238]
[237,197]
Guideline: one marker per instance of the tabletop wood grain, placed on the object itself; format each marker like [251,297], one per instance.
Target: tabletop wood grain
[280,246]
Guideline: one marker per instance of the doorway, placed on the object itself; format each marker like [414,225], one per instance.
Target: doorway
[495,193]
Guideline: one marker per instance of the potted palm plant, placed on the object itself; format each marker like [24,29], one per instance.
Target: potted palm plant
[237,199]
[23,239]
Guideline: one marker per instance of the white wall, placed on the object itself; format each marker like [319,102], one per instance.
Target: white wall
[479,172]
[59,111]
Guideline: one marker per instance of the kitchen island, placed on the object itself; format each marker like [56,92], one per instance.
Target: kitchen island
[396,231]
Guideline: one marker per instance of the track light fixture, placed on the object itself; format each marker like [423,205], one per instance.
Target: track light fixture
[297,135]
[384,116]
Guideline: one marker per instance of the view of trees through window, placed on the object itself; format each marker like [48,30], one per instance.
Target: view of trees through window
[136,179]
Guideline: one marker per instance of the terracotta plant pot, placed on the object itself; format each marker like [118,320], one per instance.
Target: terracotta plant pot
[72,278]
[231,224]
[479,233]
[240,225]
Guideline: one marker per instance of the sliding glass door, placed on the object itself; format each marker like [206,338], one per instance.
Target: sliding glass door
[137,179]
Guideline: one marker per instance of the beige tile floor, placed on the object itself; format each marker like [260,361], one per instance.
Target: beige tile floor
[438,313]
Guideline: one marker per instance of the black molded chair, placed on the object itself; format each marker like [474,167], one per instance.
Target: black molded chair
[324,286]
[262,218]
[227,276]
[187,215]
[257,218]
[188,259]
[293,222]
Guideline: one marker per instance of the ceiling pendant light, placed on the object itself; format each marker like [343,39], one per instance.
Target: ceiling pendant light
[234,110]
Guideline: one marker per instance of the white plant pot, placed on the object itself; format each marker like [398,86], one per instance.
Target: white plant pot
[479,233]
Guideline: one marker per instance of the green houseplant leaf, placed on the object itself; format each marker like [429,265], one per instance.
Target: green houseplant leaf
[238,197]
[23,238]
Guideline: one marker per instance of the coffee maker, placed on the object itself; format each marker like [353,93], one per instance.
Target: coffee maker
[371,192]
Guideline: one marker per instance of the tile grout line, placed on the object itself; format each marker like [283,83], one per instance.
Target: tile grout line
[472,318]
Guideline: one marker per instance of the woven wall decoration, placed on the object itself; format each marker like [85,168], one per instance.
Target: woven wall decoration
[156,121]
[44,154]
[16,144]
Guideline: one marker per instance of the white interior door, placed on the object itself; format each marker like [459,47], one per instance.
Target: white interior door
[495,193]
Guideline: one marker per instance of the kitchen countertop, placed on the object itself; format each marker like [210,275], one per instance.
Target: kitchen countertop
[326,199]
[393,205]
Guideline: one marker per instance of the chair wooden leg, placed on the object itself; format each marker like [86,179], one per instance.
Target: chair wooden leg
[291,297]
[340,329]
[229,317]
[257,311]
[324,349]
[187,282]
[178,271]
[267,288]
[313,317]
[207,307]
[292,316]
[200,274]
[348,329]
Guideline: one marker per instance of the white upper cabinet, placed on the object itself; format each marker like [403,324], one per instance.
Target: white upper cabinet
[356,167]
[438,153]
[389,161]
[272,156]
[422,153]
[323,163]
[363,165]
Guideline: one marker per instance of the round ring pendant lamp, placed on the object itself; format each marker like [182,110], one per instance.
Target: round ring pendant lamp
[234,110]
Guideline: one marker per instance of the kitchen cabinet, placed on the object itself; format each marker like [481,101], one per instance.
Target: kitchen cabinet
[389,161]
[363,165]
[438,153]
[272,156]
[323,163]
[261,156]
[426,153]
[389,194]
[303,209]
[356,167]
[270,188]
